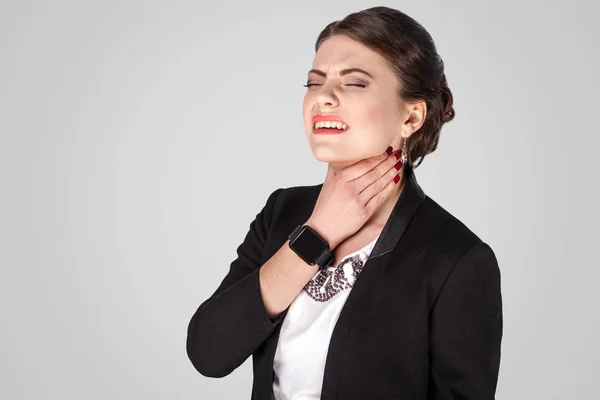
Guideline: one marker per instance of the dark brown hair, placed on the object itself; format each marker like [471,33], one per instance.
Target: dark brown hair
[411,53]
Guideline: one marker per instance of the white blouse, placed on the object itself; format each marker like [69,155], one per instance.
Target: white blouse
[306,330]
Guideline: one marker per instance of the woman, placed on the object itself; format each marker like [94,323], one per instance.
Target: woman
[362,287]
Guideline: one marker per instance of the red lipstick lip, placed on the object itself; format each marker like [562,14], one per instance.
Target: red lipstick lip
[328,131]
[327,117]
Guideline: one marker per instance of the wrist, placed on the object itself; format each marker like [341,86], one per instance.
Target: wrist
[317,227]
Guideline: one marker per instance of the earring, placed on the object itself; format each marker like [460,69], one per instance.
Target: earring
[404,156]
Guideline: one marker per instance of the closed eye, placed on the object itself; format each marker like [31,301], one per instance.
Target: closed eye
[349,84]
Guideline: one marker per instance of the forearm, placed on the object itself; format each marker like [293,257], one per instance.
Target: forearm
[284,275]
[229,326]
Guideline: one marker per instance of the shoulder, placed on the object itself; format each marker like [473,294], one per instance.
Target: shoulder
[299,193]
[285,208]
[450,230]
[289,196]
[288,205]
[454,248]
[293,200]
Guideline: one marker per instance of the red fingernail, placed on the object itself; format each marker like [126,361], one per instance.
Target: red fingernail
[389,150]
[397,155]
[398,165]
[396,178]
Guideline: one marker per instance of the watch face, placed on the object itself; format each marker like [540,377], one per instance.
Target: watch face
[309,245]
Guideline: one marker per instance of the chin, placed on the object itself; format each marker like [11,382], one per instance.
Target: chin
[326,153]
[333,157]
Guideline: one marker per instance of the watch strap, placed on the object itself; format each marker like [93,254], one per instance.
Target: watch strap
[295,232]
[325,258]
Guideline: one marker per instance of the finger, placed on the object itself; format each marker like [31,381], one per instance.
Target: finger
[380,184]
[362,182]
[379,197]
[358,169]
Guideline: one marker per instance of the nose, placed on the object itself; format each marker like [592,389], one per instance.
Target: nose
[326,97]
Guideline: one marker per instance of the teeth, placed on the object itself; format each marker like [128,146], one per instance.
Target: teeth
[330,124]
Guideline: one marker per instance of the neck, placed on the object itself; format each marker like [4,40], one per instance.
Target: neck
[382,213]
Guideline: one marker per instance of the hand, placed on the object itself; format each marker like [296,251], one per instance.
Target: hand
[349,197]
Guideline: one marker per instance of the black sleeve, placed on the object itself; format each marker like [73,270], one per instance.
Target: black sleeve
[466,329]
[229,326]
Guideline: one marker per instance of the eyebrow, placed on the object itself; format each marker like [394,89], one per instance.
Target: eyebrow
[342,72]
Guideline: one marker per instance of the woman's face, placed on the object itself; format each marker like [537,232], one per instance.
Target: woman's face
[366,101]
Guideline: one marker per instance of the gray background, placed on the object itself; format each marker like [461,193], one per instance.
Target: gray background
[129,129]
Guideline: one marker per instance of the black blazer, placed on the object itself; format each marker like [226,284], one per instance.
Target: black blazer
[423,320]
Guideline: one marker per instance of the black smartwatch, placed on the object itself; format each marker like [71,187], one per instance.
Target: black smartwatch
[311,247]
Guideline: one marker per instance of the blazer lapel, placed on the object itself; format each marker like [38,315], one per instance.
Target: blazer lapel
[406,206]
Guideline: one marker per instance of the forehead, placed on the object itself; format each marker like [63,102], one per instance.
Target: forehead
[340,52]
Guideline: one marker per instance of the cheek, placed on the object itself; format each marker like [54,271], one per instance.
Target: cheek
[375,130]
[376,123]
[306,107]
[383,120]
[377,112]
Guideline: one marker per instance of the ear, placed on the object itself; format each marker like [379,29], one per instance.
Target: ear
[415,116]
